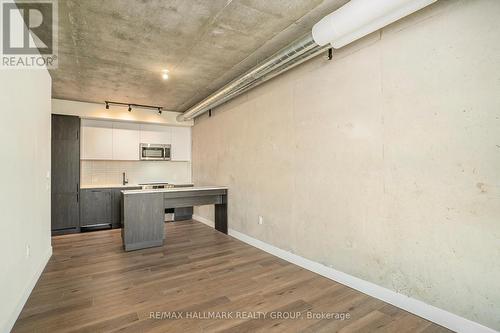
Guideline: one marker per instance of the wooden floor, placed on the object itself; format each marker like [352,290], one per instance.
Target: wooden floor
[92,285]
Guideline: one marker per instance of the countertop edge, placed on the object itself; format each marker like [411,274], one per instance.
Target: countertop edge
[178,189]
[118,186]
[91,187]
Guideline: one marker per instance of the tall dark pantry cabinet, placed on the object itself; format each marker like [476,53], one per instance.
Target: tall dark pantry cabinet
[65,174]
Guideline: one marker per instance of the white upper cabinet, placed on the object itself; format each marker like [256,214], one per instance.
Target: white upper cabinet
[181,143]
[96,140]
[126,141]
[111,140]
[156,134]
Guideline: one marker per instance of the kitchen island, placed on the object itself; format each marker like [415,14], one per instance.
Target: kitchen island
[143,212]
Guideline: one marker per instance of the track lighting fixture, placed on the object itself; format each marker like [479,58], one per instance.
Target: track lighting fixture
[138,106]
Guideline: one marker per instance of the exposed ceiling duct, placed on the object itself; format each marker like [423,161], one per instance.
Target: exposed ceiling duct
[296,53]
[352,21]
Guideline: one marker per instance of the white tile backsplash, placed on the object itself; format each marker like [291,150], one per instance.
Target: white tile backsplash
[110,172]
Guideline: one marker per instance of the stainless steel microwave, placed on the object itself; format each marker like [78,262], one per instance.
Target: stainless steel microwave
[155,152]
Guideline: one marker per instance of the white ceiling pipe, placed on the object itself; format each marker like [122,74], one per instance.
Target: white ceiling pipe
[359,18]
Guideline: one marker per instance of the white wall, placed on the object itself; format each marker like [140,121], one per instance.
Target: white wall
[383,163]
[25,104]
[99,111]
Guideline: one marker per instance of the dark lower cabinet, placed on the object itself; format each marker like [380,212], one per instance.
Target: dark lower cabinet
[101,208]
[65,174]
[116,205]
[96,208]
[116,197]
[64,212]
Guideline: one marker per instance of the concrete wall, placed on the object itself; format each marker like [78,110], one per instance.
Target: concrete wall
[25,186]
[99,111]
[383,163]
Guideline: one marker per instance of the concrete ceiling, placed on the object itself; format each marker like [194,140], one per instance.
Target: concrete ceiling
[116,49]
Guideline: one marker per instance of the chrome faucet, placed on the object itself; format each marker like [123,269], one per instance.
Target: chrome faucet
[125,180]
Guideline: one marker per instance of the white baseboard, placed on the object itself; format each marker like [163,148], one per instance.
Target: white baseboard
[27,292]
[419,308]
[204,220]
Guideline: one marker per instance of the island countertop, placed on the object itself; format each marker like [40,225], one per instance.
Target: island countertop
[176,189]
[143,211]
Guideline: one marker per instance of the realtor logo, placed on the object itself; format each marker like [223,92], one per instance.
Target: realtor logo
[29,34]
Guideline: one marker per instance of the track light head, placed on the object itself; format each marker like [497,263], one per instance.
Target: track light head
[129,108]
[107,106]
[159,110]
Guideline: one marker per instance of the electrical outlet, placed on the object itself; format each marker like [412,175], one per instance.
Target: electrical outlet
[28,251]
[261,220]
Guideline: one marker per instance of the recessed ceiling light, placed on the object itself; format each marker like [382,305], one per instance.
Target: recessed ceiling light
[164,74]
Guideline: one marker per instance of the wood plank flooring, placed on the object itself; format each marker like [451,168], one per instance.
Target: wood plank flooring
[91,285]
